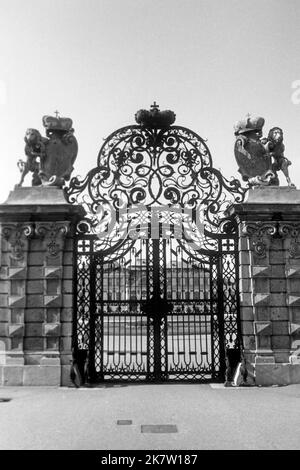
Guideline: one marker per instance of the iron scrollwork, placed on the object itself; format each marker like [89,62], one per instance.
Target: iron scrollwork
[147,166]
[136,281]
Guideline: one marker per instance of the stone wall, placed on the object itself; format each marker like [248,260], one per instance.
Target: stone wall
[269,245]
[36,273]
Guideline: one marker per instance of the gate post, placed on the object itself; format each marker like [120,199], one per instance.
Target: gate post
[36,286]
[269,255]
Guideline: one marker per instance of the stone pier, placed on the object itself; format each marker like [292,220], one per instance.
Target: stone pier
[269,249]
[36,276]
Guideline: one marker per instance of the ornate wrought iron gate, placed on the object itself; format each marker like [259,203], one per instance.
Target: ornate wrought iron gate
[156,283]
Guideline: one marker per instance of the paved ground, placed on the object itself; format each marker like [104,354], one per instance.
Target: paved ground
[206,417]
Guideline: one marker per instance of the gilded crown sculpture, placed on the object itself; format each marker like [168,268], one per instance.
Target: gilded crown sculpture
[259,159]
[50,159]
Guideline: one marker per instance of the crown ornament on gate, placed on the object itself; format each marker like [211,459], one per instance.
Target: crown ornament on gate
[154,118]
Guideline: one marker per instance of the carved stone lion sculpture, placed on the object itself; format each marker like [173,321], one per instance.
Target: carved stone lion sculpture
[34,150]
[275,147]
[51,158]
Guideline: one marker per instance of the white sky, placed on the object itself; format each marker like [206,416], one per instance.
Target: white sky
[98,61]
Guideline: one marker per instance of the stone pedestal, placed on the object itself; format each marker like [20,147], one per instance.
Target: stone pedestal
[269,248]
[36,276]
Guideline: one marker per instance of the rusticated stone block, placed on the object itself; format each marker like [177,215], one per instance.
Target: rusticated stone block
[53,272]
[244,258]
[67,300]
[17,315]
[33,358]
[65,343]
[35,272]
[261,284]
[262,313]
[263,328]
[271,374]
[42,375]
[67,287]
[17,273]
[295,311]
[293,300]
[276,244]
[34,315]
[17,287]
[261,299]
[69,244]
[53,315]
[33,344]
[263,342]
[36,258]
[278,300]
[294,329]
[3,300]
[52,343]
[295,373]
[294,285]
[5,314]
[52,286]
[16,330]
[33,329]
[245,272]
[279,313]
[35,287]
[65,376]
[66,358]
[276,256]
[278,271]
[35,300]
[293,271]
[282,356]
[68,272]
[36,245]
[246,299]
[51,359]
[52,300]
[53,261]
[278,285]
[3,329]
[3,272]
[12,375]
[67,315]
[66,329]
[264,359]
[17,301]
[259,271]
[68,259]
[280,342]
[17,343]
[280,328]
[245,285]
[4,287]
[246,326]
[51,329]
[243,243]
[249,342]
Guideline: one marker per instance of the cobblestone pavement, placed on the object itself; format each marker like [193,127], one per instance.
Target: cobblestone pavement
[182,416]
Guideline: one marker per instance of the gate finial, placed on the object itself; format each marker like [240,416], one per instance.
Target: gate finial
[154,106]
